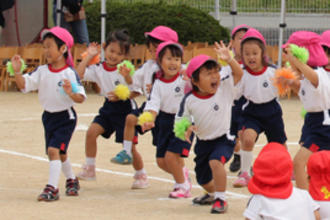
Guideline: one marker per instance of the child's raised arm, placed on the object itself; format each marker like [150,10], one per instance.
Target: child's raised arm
[92,51]
[223,53]
[16,62]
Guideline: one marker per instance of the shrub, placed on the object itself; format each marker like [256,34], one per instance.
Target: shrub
[190,23]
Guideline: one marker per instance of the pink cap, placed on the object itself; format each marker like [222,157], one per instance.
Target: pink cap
[310,41]
[239,28]
[325,38]
[163,33]
[253,34]
[63,35]
[161,46]
[196,63]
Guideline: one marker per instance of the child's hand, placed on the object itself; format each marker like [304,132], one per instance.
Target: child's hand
[184,74]
[223,52]
[148,88]
[16,63]
[124,70]
[147,126]
[187,135]
[112,96]
[67,86]
[93,50]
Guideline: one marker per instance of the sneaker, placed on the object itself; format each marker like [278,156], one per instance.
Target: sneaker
[242,180]
[140,182]
[236,163]
[88,173]
[180,193]
[205,199]
[72,187]
[219,206]
[122,158]
[187,177]
[49,194]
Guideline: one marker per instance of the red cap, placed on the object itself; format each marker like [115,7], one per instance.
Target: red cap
[272,170]
[196,63]
[163,33]
[63,35]
[318,168]
[253,34]
[325,38]
[161,46]
[239,28]
[311,41]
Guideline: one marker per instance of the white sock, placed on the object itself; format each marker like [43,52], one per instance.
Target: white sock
[181,185]
[67,169]
[54,173]
[220,195]
[238,152]
[246,160]
[139,172]
[90,161]
[128,147]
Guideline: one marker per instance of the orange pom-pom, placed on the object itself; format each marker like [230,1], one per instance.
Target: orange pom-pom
[96,59]
[283,88]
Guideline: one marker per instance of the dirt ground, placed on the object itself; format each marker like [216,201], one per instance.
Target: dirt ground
[24,170]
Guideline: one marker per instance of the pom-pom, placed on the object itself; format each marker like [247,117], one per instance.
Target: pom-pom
[10,68]
[180,127]
[286,73]
[224,63]
[74,88]
[145,117]
[129,65]
[301,53]
[122,92]
[95,60]
[303,112]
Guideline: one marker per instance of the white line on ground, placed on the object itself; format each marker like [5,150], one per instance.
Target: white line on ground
[237,195]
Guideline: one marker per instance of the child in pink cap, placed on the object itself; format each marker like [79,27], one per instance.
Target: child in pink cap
[143,79]
[262,112]
[318,169]
[274,196]
[58,88]
[163,104]
[325,42]
[208,106]
[313,88]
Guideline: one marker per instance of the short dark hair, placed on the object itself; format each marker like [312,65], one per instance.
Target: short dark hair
[154,41]
[326,49]
[262,47]
[210,64]
[175,52]
[57,40]
[120,36]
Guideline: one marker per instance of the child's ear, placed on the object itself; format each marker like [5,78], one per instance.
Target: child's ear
[64,49]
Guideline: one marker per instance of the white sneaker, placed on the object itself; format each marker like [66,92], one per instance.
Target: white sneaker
[88,173]
[140,182]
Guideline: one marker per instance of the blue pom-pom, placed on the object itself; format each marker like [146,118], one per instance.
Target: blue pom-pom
[74,88]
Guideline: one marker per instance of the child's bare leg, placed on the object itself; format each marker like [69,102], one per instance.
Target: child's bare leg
[137,159]
[175,165]
[162,164]
[91,145]
[249,137]
[299,163]
[219,175]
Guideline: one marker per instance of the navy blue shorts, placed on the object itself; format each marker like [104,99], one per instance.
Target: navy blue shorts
[59,127]
[266,117]
[315,136]
[218,149]
[236,116]
[111,118]
[166,140]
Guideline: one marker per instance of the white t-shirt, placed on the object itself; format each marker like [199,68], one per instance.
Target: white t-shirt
[299,206]
[106,78]
[166,95]
[48,83]
[258,88]
[211,114]
[316,99]
[324,209]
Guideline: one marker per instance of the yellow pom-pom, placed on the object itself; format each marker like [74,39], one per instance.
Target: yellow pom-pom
[122,92]
[224,63]
[145,117]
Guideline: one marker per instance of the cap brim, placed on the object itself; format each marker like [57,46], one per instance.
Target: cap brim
[325,44]
[44,32]
[278,192]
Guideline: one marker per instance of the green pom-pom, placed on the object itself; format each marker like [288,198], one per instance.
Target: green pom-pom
[122,92]
[10,68]
[303,112]
[145,117]
[180,128]
[129,65]
[300,52]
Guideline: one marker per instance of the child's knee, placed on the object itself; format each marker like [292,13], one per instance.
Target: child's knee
[131,120]
[215,165]
[53,153]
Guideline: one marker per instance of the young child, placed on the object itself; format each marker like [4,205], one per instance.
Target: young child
[142,82]
[325,42]
[236,114]
[314,92]
[58,88]
[164,101]
[274,196]
[319,181]
[112,114]
[262,112]
[208,106]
